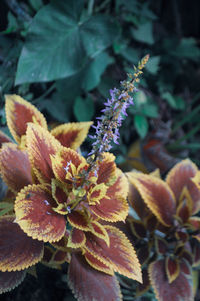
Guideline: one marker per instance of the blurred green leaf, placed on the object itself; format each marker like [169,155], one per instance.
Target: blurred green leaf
[141,125]
[153,64]
[180,103]
[150,110]
[59,44]
[139,98]
[83,109]
[36,4]
[175,102]
[170,99]
[187,48]
[130,54]
[144,33]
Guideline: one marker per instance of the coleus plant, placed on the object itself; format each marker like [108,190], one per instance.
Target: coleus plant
[64,204]
[166,229]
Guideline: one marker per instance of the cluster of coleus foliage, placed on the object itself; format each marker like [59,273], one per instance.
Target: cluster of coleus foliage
[166,230]
[60,215]
[59,206]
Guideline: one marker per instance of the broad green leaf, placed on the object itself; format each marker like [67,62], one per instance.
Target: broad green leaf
[153,64]
[130,54]
[83,109]
[36,4]
[170,99]
[180,103]
[58,107]
[70,87]
[98,33]
[174,101]
[94,71]
[144,33]
[187,48]
[140,98]
[141,125]
[59,43]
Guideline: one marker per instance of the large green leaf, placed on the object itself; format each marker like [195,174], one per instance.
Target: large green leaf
[94,71]
[144,33]
[59,43]
[141,125]
[83,109]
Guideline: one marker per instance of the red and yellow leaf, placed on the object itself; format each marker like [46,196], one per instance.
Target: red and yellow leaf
[89,284]
[196,179]
[157,195]
[184,209]
[54,258]
[97,264]
[113,207]
[4,138]
[17,250]
[145,285]
[119,255]
[62,243]
[179,290]
[96,194]
[18,113]
[161,245]
[107,169]
[59,191]
[10,280]
[180,176]
[72,134]
[194,221]
[143,254]
[41,146]
[15,167]
[137,228]
[35,216]
[196,253]
[60,257]
[76,239]
[172,268]
[63,162]
[136,200]
[99,230]
[79,220]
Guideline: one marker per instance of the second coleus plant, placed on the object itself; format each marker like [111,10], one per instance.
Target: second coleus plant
[64,205]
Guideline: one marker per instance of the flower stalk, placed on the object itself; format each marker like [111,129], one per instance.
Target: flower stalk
[107,128]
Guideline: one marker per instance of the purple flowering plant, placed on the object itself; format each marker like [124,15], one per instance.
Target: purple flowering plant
[60,205]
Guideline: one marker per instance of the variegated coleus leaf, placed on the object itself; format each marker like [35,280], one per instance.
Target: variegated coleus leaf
[41,145]
[178,290]
[113,206]
[17,250]
[55,258]
[143,287]
[10,280]
[157,195]
[15,167]
[19,113]
[89,284]
[180,176]
[72,134]
[172,267]
[35,215]
[4,139]
[110,204]
[119,255]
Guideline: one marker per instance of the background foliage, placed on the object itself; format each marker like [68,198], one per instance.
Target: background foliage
[64,56]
